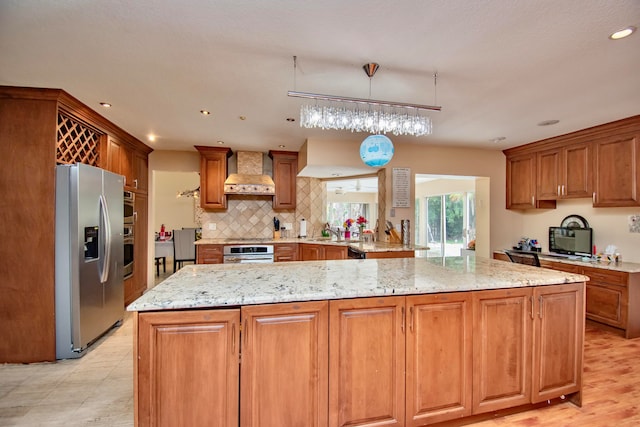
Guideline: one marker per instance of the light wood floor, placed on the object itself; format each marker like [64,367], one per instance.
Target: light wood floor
[97,390]
[610,393]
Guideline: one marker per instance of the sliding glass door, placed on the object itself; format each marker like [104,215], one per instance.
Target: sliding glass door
[450,221]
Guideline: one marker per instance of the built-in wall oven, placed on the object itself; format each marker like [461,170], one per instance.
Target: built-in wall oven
[128,233]
[248,254]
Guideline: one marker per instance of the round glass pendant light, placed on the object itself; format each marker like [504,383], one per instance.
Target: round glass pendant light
[376,150]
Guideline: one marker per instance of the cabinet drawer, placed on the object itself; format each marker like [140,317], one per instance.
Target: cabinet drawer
[569,268]
[209,254]
[285,252]
[606,277]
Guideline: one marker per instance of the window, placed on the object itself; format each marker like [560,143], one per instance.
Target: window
[450,223]
[337,212]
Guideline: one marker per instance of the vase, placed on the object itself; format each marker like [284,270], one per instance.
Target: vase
[347,235]
[361,235]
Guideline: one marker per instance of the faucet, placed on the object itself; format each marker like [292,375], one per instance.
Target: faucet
[335,232]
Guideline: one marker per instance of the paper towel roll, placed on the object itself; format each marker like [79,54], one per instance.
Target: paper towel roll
[303,228]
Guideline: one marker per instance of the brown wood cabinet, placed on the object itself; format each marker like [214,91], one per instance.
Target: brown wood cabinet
[396,360]
[599,162]
[283,252]
[366,362]
[120,160]
[213,172]
[391,254]
[284,373]
[39,128]
[134,288]
[521,183]
[520,354]
[315,252]
[612,297]
[502,349]
[439,358]
[209,254]
[187,368]
[285,171]
[141,168]
[565,173]
[617,177]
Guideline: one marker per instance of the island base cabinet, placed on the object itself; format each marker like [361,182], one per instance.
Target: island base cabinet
[438,358]
[366,362]
[502,349]
[558,341]
[284,370]
[187,368]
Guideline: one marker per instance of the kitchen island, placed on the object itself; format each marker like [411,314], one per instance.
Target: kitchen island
[407,341]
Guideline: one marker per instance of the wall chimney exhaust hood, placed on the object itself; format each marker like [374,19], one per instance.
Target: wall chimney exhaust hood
[250,178]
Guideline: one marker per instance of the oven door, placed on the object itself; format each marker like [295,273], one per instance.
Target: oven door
[128,257]
[129,199]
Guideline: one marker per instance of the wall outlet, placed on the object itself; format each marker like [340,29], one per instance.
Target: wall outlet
[288,226]
[212,226]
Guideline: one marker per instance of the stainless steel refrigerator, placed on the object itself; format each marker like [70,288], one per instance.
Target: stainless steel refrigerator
[89,256]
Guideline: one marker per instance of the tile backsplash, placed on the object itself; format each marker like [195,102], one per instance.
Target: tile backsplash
[252,216]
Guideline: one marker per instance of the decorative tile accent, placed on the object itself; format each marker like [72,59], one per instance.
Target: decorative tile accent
[252,216]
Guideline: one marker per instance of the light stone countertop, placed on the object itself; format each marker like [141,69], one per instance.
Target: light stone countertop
[232,285]
[625,267]
[364,247]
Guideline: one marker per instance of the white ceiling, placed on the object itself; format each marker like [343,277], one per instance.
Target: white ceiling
[503,65]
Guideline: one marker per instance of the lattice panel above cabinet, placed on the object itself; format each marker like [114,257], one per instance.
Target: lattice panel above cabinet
[76,142]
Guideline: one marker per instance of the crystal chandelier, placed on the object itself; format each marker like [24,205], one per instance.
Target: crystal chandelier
[365,115]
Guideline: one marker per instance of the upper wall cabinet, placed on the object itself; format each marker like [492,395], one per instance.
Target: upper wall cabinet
[285,170]
[617,179]
[599,163]
[213,172]
[521,183]
[565,173]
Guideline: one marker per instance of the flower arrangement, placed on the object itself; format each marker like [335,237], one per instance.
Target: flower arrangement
[348,223]
[361,221]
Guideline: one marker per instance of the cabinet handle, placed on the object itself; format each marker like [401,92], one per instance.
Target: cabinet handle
[541,300]
[245,331]
[233,338]
[594,197]
[411,318]
[135,217]
[533,200]
[563,193]
[135,183]
[558,192]
[532,303]
[402,322]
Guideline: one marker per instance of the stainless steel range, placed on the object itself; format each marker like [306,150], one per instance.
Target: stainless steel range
[246,254]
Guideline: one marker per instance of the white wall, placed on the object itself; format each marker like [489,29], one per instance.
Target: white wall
[174,212]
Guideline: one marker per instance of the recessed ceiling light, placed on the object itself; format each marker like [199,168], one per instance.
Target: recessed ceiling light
[105,104]
[335,174]
[205,112]
[498,139]
[548,122]
[291,119]
[242,117]
[281,146]
[625,32]
[220,142]
[151,137]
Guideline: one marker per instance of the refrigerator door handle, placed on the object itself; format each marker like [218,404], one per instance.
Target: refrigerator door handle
[104,273]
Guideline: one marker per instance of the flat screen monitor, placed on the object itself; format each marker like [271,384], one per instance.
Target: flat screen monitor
[572,241]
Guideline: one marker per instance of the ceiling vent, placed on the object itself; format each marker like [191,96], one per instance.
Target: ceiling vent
[250,178]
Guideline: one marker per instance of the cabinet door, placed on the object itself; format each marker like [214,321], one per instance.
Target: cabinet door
[607,296]
[335,252]
[576,171]
[213,172]
[209,254]
[141,175]
[366,362]
[548,176]
[187,368]
[120,160]
[557,351]
[285,171]
[311,252]
[140,238]
[502,349]
[439,358]
[617,179]
[284,371]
